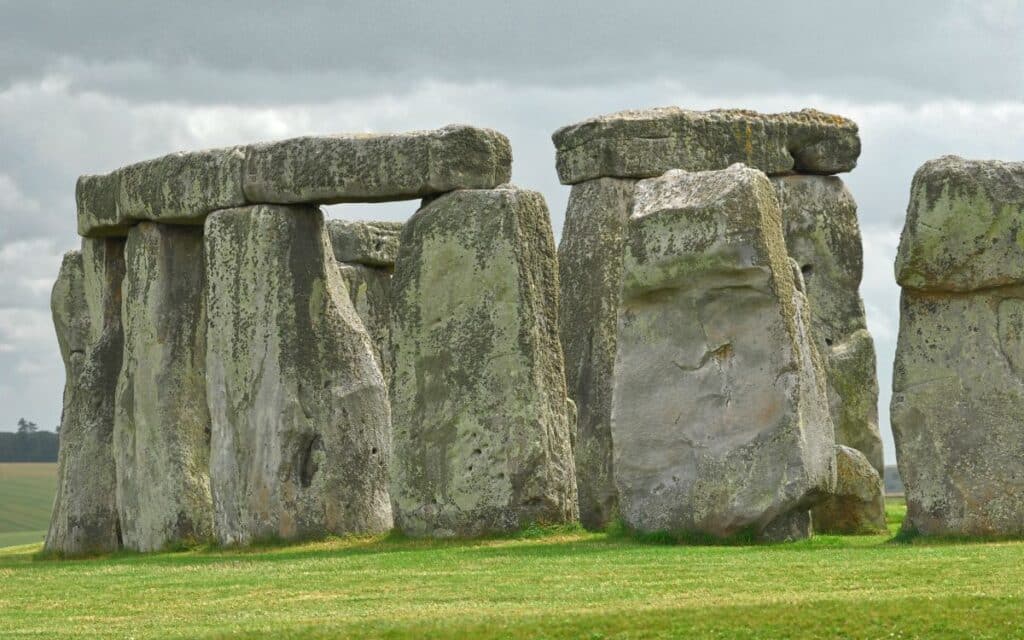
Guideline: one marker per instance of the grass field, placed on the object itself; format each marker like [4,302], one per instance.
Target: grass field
[551,584]
[26,497]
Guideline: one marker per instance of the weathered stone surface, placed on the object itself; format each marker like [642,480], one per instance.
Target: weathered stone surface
[161,422]
[86,306]
[481,417]
[964,226]
[369,289]
[857,505]
[370,243]
[720,417]
[96,196]
[376,167]
[958,398]
[301,441]
[590,273]
[820,224]
[179,188]
[958,391]
[644,144]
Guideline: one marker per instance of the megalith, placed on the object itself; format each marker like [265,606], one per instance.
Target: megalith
[162,424]
[86,305]
[300,440]
[481,416]
[820,223]
[590,270]
[958,390]
[604,156]
[857,505]
[365,253]
[720,417]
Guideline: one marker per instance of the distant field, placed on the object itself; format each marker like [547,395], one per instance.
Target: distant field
[26,497]
[549,584]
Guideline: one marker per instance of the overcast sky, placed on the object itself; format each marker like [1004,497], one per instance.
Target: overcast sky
[86,89]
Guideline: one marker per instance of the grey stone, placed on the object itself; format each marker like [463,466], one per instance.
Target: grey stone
[963,229]
[857,505]
[376,167]
[958,390]
[644,144]
[370,243]
[369,289]
[96,196]
[481,417]
[820,223]
[178,188]
[300,440]
[720,418]
[958,398]
[86,306]
[590,273]
[161,422]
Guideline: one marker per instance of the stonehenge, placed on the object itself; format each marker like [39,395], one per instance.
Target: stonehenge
[692,358]
[958,393]
[482,421]
[720,421]
[604,157]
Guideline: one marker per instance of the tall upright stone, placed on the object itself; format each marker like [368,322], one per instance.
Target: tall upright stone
[300,438]
[720,417]
[86,305]
[820,223]
[958,383]
[162,424]
[365,253]
[482,422]
[590,273]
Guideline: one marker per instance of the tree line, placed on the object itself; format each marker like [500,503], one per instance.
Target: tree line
[29,444]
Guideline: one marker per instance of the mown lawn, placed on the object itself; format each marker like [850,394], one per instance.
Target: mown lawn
[553,584]
[26,497]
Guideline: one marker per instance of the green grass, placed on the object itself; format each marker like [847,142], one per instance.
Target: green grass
[560,583]
[26,497]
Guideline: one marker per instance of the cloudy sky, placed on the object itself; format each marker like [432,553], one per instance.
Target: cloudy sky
[86,89]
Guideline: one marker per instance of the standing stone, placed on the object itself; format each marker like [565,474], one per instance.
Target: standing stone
[820,222]
[644,144]
[162,424]
[857,505]
[481,417]
[590,272]
[86,305]
[301,441]
[720,417]
[365,252]
[958,383]
[376,167]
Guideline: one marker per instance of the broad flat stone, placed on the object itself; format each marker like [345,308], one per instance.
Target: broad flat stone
[481,417]
[822,235]
[644,144]
[720,418]
[96,196]
[301,422]
[161,423]
[178,188]
[590,272]
[963,228]
[376,167]
[86,305]
[958,398]
[370,243]
[857,505]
